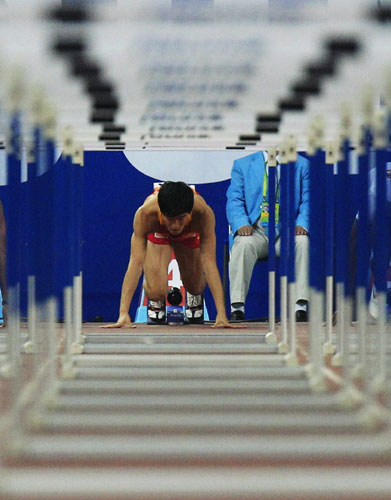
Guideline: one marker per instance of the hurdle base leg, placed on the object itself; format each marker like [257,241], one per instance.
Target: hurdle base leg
[337,359]
[68,371]
[271,338]
[358,372]
[328,349]
[272,308]
[6,370]
[291,359]
[373,417]
[309,370]
[50,399]
[30,347]
[81,339]
[318,384]
[283,348]
[77,348]
[349,398]
[378,384]
[34,421]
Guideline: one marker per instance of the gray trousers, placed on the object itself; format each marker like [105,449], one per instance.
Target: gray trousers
[245,252]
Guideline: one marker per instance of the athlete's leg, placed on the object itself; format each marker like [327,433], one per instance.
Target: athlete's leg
[190,267]
[156,271]
[193,278]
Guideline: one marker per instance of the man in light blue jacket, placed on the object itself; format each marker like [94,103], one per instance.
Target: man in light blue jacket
[246,196]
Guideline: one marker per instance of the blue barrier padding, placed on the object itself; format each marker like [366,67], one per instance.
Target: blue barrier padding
[388,218]
[342,226]
[330,219]
[14,219]
[388,130]
[284,207]
[362,262]
[14,223]
[45,279]
[73,235]
[381,230]
[39,194]
[317,225]
[63,241]
[78,197]
[25,212]
[42,187]
[60,237]
[69,220]
[272,218]
[32,208]
[291,223]
[51,270]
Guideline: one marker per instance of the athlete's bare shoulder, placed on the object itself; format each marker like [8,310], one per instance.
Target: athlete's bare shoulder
[200,206]
[147,215]
[150,204]
[201,212]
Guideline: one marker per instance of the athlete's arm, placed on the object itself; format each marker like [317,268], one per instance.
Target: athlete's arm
[212,275]
[138,252]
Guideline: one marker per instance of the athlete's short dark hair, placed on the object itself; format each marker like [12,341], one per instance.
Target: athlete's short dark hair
[175,198]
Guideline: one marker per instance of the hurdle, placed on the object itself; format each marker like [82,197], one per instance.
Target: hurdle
[361,273]
[14,179]
[272,164]
[42,298]
[291,357]
[70,175]
[316,271]
[284,213]
[331,154]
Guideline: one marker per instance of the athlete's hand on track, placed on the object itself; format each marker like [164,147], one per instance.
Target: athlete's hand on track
[123,321]
[224,323]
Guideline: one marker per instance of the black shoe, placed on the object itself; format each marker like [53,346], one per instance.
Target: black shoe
[237,315]
[301,316]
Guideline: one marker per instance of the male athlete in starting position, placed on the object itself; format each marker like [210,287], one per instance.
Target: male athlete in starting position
[174,217]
